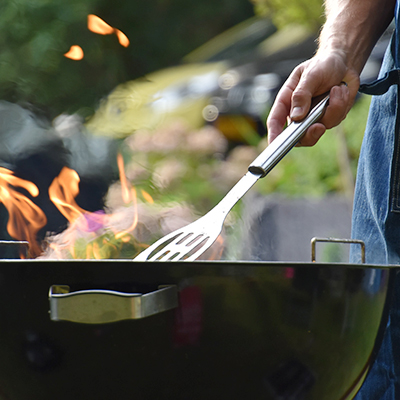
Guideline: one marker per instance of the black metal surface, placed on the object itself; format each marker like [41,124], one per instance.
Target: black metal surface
[242,331]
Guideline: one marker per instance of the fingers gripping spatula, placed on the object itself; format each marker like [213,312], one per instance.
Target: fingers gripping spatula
[191,241]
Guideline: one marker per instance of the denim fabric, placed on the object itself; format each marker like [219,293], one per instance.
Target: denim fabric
[376,220]
[373,220]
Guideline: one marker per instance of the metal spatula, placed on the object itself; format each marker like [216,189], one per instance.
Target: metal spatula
[191,241]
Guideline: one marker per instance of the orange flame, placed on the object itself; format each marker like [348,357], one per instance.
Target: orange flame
[62,192]
[122,38]
[126,193]
[97,25]
[75,53]
[25,217]
[128,196]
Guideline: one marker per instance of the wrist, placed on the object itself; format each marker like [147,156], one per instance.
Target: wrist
[353,27]
[352,52]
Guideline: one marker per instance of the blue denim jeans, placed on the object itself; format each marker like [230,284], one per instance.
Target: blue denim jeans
[376,220]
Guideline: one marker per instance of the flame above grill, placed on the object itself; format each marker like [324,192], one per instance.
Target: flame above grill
[25,217]
[90,235]
[101,235]
[62,192]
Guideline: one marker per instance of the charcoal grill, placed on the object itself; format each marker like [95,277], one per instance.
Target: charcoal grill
[201,330]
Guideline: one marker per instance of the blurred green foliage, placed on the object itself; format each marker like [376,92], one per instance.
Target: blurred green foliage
[34,35]
[282,12]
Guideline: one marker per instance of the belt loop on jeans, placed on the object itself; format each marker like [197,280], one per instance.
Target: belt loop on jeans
[381,86]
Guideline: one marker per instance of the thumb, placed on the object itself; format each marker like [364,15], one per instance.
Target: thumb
[301,103]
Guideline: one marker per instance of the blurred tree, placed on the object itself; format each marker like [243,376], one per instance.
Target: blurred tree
[282,12]
[35,35]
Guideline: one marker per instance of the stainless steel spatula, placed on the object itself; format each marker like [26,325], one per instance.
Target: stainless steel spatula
[191,241]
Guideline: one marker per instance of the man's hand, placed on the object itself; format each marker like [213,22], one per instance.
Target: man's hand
[351,30]
[325,72]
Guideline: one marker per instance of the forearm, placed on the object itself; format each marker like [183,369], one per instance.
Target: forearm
[353,26]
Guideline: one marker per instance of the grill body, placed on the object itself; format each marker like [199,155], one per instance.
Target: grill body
[239,330]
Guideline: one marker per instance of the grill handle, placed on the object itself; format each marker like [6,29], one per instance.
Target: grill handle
[106,306]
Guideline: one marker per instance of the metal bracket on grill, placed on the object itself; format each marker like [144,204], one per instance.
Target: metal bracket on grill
[21,245]
[334,240]
[105,306]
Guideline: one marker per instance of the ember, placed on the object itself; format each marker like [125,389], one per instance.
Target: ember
[97,25]
[75,53]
